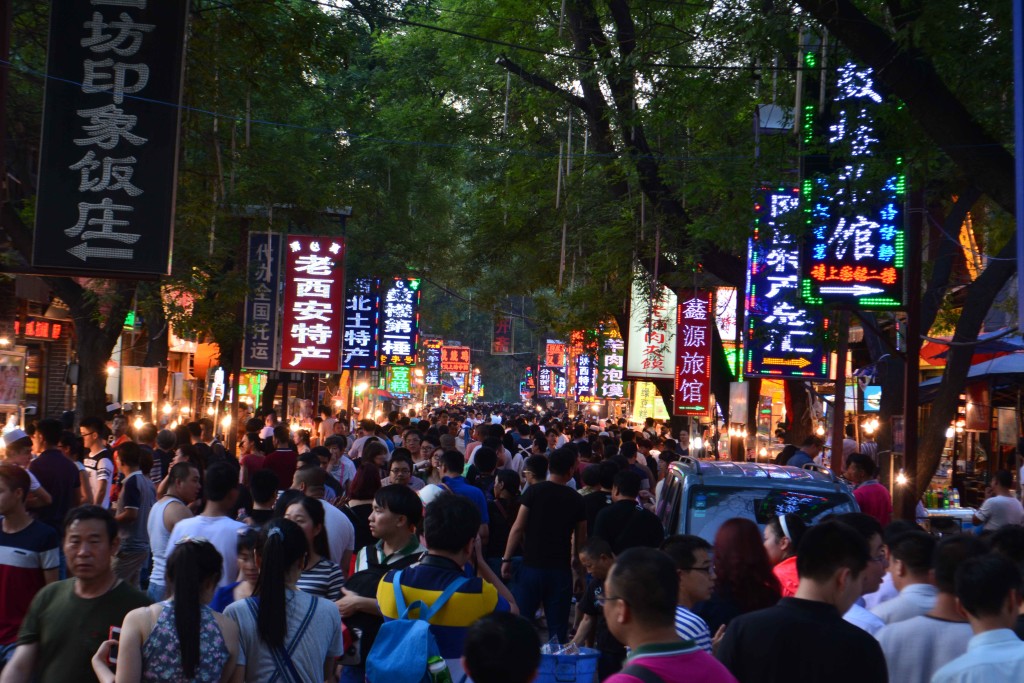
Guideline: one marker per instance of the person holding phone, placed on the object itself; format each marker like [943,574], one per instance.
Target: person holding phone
[180,638]
[68,620]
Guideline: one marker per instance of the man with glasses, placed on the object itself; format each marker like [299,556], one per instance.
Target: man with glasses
[692,556]
[400,471]
[98,462]
[639,606]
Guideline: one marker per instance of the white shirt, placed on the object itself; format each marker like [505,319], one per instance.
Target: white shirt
[221,532]
[991,656]
[1000,511]
[863,619]
[916,648]
[913,601]
[341,535]
[99,470]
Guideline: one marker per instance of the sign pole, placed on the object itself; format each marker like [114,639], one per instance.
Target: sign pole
[839,403]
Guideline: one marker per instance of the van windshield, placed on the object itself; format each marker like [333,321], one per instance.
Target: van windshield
[709,506]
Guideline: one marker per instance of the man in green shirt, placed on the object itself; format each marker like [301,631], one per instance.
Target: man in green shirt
[68,620]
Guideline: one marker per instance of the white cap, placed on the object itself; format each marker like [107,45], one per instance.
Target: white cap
[14,435]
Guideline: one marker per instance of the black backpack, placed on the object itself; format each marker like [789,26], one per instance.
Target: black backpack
[364,583]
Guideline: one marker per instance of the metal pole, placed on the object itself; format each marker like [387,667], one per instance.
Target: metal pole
[839,403]
[1018,80]
[915,223]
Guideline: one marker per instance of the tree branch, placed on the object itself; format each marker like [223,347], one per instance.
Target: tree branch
[931,301]
[543,83]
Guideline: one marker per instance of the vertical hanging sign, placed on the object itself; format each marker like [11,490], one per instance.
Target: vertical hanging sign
[362,325]
[854,251]
[612,362]
[695,316]
[400,323]
[502,335]
[108,160]
[259,343]
[456,359]
[432,361]
[545,381]
[314,295]
[783,337]
[650,352]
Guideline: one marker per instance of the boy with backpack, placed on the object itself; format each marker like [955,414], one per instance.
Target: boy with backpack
[437,593]
[397,512]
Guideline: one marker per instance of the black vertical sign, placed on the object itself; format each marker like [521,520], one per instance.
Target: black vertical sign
[108,163]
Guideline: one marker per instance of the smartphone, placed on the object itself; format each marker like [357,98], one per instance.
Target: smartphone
[115,634]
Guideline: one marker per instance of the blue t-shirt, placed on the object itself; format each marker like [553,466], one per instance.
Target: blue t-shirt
[223,596]
[799,459]
[460,487]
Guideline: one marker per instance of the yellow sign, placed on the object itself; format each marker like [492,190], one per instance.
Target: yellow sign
[647,403]
[32,385]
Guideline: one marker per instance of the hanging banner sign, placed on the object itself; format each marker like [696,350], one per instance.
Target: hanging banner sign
[456,359]
[399,380]
[314,295]
[400,322]
[561,382]
[259,342]
[586,378]
[108,161]
[647,403]
[695,316]
[432,361]
[502,335]
[362,326]
[554,353]
[783,337]
[725,313]
[854,251]
[612,362]
[650,352]
[546,381]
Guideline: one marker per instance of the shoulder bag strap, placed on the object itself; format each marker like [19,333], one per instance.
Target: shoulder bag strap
[643,673]
[283,655]
[454,586]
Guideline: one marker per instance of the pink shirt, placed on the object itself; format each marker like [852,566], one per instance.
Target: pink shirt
[679,662]
[874,500]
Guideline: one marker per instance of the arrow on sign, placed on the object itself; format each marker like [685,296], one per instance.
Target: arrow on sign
[855,290]
[84,252]
[798,362]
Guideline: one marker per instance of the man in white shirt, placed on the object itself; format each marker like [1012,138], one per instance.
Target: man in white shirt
[215,523]
[1001,508]
[98,463]
[916,648]
[988,589]
[912,556]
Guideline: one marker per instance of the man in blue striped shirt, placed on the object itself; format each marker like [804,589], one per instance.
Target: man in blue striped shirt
[692,557]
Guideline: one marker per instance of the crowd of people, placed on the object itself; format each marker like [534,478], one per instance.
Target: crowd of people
[449,546]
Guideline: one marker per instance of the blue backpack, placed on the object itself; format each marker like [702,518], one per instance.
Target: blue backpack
[405,647]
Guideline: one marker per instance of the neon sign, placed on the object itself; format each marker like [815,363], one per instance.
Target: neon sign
[362,325]
[694,317]
[854,252]
[652,331]
[783,337]
[400,323]
[612,362]
[432,361]
[313,304]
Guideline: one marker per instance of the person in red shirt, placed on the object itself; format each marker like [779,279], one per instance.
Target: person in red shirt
[283,461]
[871,496]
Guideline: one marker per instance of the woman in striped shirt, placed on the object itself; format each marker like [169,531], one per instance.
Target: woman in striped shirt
[320,576]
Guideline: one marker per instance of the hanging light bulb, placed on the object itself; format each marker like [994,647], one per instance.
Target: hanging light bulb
[820,431]
[138,423]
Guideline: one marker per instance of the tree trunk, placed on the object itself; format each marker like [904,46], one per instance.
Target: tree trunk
[799,424]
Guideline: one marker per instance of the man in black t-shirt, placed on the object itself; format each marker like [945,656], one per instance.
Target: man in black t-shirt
[598,500]
[597,559]
[624,524]
[552,526]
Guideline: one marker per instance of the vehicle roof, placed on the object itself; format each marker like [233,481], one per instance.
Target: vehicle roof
[747,473]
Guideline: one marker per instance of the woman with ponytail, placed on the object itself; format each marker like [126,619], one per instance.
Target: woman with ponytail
[285,634]
[179,640]
[782,537]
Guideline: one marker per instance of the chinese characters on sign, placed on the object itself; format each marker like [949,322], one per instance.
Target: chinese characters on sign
[362,325]
[398,379]
[545,381]
[554,353]
[783,337]
[259,343]
[854,250]
[432,361]
[502,335]
[400,322]
[313,304]
[455,359]
[650,353]
[39,328]
[693,354]
[586,377]
[108,163]
[612,362]
[725,313]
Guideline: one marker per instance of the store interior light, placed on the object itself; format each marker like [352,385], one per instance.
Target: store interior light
[185,410]
[225,421]
[950,432]
[901,479]
[820,431]
[168,409]
[763,452]
[5,341]
[211,411]
[138,423]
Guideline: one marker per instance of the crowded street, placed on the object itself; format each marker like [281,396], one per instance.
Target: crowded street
[455,341]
